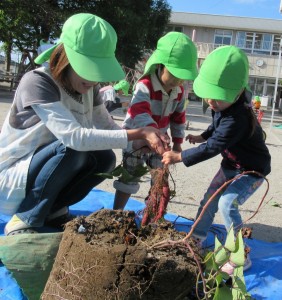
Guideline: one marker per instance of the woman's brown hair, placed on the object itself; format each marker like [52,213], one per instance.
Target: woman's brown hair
[59,66]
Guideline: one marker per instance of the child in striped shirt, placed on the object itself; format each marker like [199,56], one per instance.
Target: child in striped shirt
[158,101]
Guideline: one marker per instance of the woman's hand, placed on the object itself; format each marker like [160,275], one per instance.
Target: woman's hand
[156,140]
[141,145]
[193,139]
[153,138]
[171,157]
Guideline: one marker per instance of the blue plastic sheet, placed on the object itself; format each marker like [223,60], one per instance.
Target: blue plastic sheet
[263,279]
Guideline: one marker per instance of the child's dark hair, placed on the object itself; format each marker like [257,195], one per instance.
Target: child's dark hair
[248,106]
[159,69]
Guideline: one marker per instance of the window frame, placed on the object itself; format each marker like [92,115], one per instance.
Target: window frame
[223,34]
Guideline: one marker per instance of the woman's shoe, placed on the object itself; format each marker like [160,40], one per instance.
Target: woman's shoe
[59,218]
[17,226]
[21,231]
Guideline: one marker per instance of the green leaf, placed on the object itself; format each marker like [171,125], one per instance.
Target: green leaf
[210,264]
[275,204]
[117,171]
[224,275]
[233,250]
[217,244]
[239,290]
[221,254]
[126,176]
[237,294]
[105,175]
[238,257]
[230,241]
[218,279]
[223,293]
[238,281]
[141,171]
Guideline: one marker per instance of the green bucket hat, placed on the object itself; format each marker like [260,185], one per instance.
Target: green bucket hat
[122,85]
[257,98]
[223,74]
[90,44]
[178,53]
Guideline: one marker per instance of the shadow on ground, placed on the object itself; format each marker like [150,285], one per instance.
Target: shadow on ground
[265,232]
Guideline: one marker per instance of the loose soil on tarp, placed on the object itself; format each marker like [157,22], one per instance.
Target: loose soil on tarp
[106,256]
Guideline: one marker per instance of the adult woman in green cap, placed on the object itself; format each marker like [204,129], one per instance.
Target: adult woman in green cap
[159,101]
[234,133]
[56,135]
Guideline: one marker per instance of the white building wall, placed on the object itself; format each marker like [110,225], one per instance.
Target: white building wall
[263,68]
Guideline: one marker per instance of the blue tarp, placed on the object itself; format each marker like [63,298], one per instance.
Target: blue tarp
[263,280]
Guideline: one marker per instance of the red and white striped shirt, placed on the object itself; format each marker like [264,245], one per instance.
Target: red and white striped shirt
[151,105]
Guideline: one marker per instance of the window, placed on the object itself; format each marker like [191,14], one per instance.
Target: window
[249,40]
[174,28]
[222,37]
[262,43]
[258,43]
[266,41]
[178,28]
[169,28]
[256,85]
[276,43]
[241,39]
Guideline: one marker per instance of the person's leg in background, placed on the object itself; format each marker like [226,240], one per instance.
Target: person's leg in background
[53,169]
[111,105]
[131,162]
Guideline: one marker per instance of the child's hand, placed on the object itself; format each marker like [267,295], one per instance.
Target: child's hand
[171,157]
[177,147]
[193,139]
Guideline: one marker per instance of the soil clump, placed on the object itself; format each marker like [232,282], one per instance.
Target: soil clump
[108,256]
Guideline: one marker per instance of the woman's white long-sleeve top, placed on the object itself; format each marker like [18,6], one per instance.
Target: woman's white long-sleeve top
[42,112]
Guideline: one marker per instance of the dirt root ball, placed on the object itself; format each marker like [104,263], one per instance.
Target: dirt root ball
[106,256]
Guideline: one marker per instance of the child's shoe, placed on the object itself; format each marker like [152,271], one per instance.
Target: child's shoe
[229,266]
[248,263]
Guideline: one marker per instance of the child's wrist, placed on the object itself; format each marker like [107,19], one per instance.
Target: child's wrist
[179,157]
